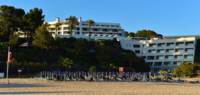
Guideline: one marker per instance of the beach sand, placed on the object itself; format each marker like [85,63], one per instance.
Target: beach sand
[45,87]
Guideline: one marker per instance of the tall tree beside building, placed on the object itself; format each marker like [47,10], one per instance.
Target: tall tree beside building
[90,23]
[11,19]
[33,19]
[72,21]
[43,38]
[197,52]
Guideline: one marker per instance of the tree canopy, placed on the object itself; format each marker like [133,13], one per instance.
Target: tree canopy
[185,69]
[77,55]
[147,33]
[34,18]
[144,33]
[10,20]
[13,19]
[43,39]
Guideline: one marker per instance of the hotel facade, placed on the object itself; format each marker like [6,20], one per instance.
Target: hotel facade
[99,30]
[160,53]
[164,53]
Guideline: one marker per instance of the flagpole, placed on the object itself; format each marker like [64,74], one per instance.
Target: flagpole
[8,63]
[7,73]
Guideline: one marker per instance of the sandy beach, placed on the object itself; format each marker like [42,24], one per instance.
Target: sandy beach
[45,87]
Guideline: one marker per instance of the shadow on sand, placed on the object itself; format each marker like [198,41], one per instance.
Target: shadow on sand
[21,93]
[31,92]
[21,85]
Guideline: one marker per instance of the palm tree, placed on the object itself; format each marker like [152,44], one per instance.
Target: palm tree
[72,21]
[90,23]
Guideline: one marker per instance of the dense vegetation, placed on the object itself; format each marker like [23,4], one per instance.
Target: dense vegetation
[43,52]
[73,54]
[13,19]
[186,70]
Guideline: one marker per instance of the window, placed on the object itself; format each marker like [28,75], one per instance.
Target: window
[65,32]
[105,25]
[150,63]
[95,29]
[170,44]
[120,34]
[158,51]
[52,29]
[65,28]
[189,43]
[161,51]
[188,56]
[105,30]
[150,57]
[136,46]
[179,43]
[169,57]
[137,51]
[178,57]
[189,50]
[167,63]
[59,28]
[115,30]
[77,28]
[149,51]
[158,63]
[85,29]
[177,63]
[152,45]
[160,57]
[114,25]
[170,50]
[179,50]
[161,44]
[152,51]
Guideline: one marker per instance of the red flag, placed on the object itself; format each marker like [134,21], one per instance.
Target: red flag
[9,58]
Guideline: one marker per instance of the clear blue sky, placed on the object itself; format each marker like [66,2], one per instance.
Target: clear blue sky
[168,17]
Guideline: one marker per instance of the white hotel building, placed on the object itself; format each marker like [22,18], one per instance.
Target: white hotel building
[160,53]
[163,53]
[106,31]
